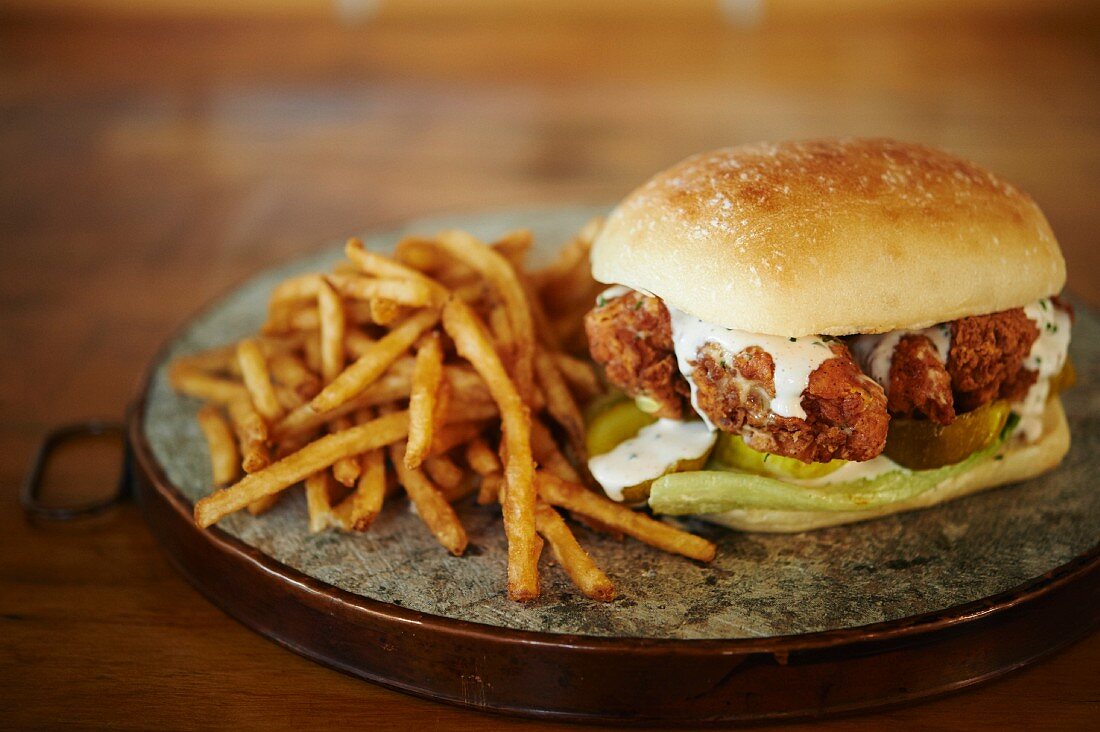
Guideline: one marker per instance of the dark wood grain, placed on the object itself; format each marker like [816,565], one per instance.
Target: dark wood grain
[147,166]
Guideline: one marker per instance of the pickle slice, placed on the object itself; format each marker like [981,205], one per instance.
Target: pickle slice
[640,493]
[920,444]
[1064,379]
[732,452]
[613,424]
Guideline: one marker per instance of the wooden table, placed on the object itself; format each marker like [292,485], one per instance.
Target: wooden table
[148,166]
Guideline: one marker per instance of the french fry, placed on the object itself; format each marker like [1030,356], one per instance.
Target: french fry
[400,291]
[455,433]
[386,312]
[314,457]
[345,470]
[384,267]
[357,343]
[311,351]
[374,363]
[578,499]
[361,507]
[251,433]
[560,404]
[459,491]
[427,376]
[333,327]
[291,372]
[514,246]
[501,328]
[548,455]
[580,376]
[295,291]
[472,343]
[444,472]
[189,380]
[213,360]
[495,268]
[433,508]
[573,558]
[224,460]
[481,458]
[319,501]
[258,381]
[488,492]
[263,505]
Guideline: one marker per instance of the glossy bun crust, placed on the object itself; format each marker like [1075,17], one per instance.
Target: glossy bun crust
[830,237]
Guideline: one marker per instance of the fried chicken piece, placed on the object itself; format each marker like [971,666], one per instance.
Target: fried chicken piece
[631,337]
[987,355]
[919,383]
[846,414]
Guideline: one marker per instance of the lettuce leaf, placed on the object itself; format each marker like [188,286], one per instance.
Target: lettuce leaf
[716,491]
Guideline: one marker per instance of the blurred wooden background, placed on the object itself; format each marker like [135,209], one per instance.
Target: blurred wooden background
[155,153]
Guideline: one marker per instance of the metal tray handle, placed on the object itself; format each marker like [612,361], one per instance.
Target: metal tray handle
[31,493]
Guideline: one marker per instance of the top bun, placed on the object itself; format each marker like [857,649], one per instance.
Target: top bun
[830,237]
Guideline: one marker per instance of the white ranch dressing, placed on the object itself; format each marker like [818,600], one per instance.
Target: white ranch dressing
[874,352]
[649,454]
[794,358]
[1047,357]
[611,293]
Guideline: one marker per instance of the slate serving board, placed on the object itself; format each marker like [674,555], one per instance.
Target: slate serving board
[859,582]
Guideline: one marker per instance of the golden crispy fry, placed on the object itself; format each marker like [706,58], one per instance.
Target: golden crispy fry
[481,458]
[314,457]
[386,312]
[333,328]
[345,470]
[578,499]
[404,291]
[189,380]
[374,363]
[573,558]
[544,328]
[488,492]
[514,247]
[384,267]
[263,505]
[495,268]
[319,501]
[295,290]
[251,434]
[501,328]
[289,399]
[357,343]
[580,375]
[427,376]
[433,508]
[444,472]
[258,380]
[224,460]
[560,404]
[472,343]
[358,510]
[548,455]
[456,433]
[213,360]
[290,371]
[311,351]
[460,490]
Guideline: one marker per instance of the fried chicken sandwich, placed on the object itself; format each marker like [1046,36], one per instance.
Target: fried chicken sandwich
[812,333]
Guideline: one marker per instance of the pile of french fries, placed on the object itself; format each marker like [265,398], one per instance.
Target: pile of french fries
[444,371]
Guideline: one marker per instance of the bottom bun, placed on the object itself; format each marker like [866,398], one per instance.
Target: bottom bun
[1019,461]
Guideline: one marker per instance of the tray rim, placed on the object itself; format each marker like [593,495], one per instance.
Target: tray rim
[952,616]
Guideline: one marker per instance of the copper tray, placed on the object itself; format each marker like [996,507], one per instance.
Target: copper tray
[836,620]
